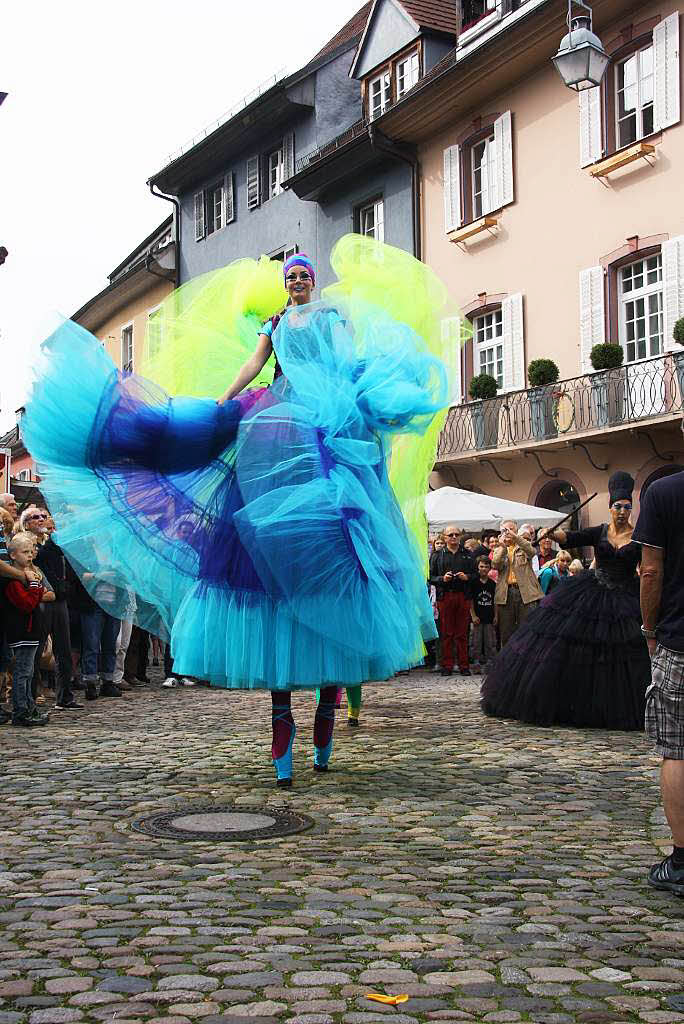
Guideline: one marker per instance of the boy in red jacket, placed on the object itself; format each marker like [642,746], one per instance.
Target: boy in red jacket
[19,601]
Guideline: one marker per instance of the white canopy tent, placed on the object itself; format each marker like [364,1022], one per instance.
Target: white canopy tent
[474,512]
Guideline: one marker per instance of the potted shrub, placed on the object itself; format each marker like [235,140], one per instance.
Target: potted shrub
[542,375]
[678,335]
[608,384]
[484,411]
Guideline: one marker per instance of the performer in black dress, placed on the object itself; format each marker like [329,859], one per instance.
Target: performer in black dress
[580,658]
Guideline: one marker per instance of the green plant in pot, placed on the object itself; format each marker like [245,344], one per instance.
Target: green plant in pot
[678,357]
[542,374]
[607,385]
[483,386]
[484,411]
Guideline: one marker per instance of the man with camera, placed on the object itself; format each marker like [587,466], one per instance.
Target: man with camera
[517,588]
[453,572]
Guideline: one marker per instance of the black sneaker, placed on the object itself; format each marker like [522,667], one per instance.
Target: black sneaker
[109,690]
[38,717]
[464,671]
[23,721]
[77,684]
[91,691]
[446,672]
[70,705]
[666,876]
[352,723]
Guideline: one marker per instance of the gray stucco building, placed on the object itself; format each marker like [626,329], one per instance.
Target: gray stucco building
[302,163]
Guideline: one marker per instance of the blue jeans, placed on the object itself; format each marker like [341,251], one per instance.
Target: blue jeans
[22,674]
[99,636]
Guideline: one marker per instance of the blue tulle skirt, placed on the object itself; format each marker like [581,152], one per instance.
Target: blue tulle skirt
[262,535]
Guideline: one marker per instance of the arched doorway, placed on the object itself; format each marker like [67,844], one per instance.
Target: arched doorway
[562,496]
[658,474]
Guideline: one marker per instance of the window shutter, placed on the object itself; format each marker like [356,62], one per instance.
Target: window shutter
[199,216]
[503,136]
[253,183]
[452,344]
[591,131]
[666,66]
[513,343]
[673,289]
[592,313]
[452,188]
[288,156]
[229,199]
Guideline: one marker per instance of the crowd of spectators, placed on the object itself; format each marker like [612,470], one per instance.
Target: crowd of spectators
[483,587]
[56,642]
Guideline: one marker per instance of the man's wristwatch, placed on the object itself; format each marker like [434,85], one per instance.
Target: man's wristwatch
[650,634]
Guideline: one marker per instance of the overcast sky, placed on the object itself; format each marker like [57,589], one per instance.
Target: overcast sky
[99,96]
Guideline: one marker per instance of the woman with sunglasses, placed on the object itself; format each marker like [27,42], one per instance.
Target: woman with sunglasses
[580,659]
[302,572]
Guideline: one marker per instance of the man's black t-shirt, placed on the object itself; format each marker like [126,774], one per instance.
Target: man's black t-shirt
[483,600]
[661,525]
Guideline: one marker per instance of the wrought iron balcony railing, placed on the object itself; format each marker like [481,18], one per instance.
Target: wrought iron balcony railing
[594,402]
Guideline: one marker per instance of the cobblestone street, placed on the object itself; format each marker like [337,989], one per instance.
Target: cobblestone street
[489,871]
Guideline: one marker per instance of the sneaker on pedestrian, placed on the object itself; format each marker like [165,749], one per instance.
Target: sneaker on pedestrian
[70,705]
[37,717]
[108,689]
[123,685]
[446,671]
[464,671]
[170,681]
[23,721]
[186,681]
[77,684]
[5,716]
[155,661]
[666,876]
[91,691]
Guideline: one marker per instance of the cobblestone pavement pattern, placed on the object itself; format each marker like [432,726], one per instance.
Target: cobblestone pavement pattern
[489,870]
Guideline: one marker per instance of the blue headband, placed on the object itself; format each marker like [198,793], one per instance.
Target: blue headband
[299,259]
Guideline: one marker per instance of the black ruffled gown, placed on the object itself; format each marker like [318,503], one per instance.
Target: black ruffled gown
[579,659]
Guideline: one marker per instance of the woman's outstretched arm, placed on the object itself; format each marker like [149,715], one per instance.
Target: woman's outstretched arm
[249,369]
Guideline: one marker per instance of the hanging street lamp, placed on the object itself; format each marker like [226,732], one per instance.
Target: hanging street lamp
[581,60]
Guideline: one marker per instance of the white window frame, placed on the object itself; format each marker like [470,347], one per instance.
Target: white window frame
[128,362]
[283,253]
[488,341]
[411,73]
[150,351]
[655,288]
[638,111]
[200,219]
[377,210]
[276,171]
[488,170]
[214,223]
[384,94]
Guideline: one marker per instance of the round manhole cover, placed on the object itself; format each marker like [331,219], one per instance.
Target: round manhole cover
[224,824]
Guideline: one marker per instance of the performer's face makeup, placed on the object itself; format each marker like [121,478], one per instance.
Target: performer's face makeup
[620,512]
[299,285]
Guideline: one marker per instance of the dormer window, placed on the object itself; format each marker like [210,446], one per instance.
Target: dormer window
[407,73]
[380,94]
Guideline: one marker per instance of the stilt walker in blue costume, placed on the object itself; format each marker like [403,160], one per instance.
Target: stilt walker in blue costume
[299,569]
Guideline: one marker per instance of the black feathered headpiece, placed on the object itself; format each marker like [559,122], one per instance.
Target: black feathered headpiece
[620,487]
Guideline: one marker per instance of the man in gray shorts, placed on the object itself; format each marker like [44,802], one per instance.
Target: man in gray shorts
[660,531]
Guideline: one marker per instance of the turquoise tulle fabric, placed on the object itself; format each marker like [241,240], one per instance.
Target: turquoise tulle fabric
[262,534]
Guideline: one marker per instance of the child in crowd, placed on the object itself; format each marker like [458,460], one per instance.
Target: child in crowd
[483,615]
[18,602]
[575,567]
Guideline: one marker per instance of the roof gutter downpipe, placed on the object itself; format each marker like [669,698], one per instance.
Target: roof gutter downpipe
[382,144]
[177,219]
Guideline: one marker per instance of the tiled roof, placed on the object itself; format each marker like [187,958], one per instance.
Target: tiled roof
[349,32]
[438,15]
